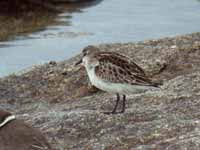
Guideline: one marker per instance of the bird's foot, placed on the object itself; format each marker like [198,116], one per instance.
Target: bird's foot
[113,112]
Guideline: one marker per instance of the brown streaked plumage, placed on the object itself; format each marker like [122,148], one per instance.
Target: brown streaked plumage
[117,68]
[115,73]
[15,134]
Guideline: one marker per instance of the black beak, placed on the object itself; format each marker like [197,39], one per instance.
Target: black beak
[79,62]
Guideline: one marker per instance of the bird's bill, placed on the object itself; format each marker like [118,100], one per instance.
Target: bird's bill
[79,62]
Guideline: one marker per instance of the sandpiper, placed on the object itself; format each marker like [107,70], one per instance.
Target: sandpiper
[115,73]
[15,134]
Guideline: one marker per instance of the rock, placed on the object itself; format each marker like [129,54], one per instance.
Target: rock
[70,113]
[53,63]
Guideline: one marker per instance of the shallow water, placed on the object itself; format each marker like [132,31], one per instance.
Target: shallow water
[109,21]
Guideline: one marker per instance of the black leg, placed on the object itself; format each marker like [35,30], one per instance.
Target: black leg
[117,101]
[115,108]
[124,104]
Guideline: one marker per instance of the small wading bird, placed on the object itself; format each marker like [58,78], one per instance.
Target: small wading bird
[115,73]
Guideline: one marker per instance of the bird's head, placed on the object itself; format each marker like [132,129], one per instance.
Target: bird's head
[88,51]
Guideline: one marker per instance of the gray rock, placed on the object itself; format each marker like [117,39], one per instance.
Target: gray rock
[69,110]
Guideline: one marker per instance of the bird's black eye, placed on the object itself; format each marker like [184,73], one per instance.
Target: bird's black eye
[84,54]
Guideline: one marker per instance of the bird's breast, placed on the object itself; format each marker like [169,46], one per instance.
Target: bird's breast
[111,87]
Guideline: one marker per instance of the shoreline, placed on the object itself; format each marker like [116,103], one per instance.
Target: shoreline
[57,98]
[24,17]
[112,46]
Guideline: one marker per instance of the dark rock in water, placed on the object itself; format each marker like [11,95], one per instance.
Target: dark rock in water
[53,63]
[15,134]
[69,110]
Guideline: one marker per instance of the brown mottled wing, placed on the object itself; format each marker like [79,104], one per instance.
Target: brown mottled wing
[117,68]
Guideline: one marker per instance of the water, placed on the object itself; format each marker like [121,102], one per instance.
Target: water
[109,21]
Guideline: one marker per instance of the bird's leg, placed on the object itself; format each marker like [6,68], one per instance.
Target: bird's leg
[124,104]
[115,108]
[117,101]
